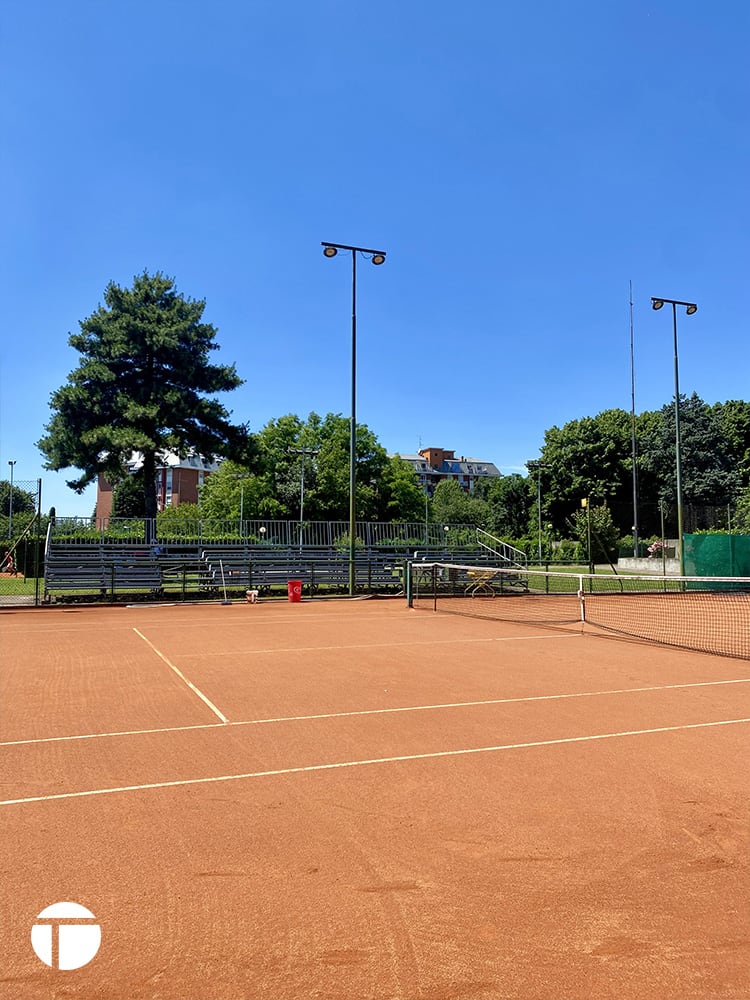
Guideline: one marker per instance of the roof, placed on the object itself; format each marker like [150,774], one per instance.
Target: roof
[170,460]
[460,466]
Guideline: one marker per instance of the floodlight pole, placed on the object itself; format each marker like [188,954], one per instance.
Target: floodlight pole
[678,441]
[353,438]
[377,257]
[634,449]
[538,466]
[10,501]
[690,309]
[303,452]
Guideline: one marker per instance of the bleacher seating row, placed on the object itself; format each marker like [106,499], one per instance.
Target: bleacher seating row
[170,569]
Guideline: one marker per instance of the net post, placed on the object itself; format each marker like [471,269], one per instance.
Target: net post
[409,595]
[582,598]
[434,587]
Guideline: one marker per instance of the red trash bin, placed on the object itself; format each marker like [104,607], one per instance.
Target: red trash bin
[294,591]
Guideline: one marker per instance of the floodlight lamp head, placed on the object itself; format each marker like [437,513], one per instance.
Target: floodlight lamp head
[691,308]
[330,251]
[657,303]
[378,258]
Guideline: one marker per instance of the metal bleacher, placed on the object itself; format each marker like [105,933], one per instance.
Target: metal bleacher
[252,567]
[104,570]
[100,569]
[108,569]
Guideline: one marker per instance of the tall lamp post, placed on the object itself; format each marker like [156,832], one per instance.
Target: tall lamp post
[242,480]
[538,466]
[690,309]
[377,257]
[633,443]
[303,452]
[10,502]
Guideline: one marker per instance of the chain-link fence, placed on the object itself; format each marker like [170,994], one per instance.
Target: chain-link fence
[21,542]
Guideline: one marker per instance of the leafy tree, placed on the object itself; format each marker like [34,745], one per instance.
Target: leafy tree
[142,386]
[128,497]
[271,487]
[175,515]
[23,502]
[453,505]
[509,504]
[281,463]
[741,523]
[328,498]
[233,491]
[604,533]
[734,419]
[709,473]
[222,493]
[590,457]
[403,497]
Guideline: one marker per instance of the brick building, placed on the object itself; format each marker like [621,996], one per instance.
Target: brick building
[178,480]
[434,465]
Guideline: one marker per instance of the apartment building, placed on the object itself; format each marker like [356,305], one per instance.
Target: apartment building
[178,480]
[434,465]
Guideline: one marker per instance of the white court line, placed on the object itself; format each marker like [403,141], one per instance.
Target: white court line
[364,763]
[381,711]
[183,678]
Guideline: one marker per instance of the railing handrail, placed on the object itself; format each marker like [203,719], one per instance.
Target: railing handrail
[508,553]
[268,532]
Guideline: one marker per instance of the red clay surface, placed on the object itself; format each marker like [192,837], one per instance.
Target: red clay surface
[400,806]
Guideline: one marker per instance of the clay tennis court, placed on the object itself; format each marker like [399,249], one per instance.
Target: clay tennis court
[355,800]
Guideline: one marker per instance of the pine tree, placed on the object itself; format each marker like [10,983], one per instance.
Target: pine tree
[142,386]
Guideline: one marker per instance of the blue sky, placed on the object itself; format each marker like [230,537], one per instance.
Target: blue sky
[519,163]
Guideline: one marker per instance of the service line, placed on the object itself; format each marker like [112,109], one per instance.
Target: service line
[365,763]
[378,711]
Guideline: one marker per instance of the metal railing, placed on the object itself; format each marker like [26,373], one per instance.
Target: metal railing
[267,533]
[504,552]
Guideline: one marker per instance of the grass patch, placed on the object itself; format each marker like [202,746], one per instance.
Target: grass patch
[18,585]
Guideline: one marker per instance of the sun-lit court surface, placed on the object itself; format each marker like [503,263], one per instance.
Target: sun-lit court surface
[357,799]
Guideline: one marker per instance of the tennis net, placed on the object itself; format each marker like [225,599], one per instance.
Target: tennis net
[708,614]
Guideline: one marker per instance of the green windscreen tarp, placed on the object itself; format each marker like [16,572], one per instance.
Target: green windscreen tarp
[717,555]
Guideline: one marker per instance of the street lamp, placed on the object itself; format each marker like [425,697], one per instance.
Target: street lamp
[303,452]
[538,466]
[10,502]
[377,257]
[242,504]
[690,309]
